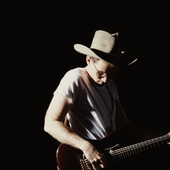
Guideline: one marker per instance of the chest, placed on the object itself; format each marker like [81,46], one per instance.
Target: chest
[94,98]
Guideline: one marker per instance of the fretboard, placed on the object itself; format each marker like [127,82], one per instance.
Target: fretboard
[140,147]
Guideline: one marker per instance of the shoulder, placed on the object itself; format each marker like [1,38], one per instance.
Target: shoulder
[70,84]
[74,73]
[73,76]
[112,84]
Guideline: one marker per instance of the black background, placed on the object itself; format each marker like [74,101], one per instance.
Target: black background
[37,49]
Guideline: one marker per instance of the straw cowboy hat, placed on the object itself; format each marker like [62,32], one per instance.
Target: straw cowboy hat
[107,47]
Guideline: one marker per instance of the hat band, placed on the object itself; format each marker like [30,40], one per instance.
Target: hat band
[113,59]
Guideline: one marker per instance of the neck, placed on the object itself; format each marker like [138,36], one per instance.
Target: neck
[91,75]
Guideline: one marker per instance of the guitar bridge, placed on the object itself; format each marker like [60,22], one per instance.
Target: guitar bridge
[84,164]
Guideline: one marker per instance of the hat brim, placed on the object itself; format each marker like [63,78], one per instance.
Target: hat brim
[114,60]
[85,50]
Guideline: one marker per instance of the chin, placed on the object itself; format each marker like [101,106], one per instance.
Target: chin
[101,83]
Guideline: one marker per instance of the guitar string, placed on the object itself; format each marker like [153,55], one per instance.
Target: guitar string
[130,150]
[133,148]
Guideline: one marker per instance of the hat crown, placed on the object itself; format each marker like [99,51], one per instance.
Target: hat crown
[103,41]
[105,46]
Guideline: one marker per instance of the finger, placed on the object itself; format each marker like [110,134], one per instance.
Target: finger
[95,166]
[102,166]
[103,160]
[99,164]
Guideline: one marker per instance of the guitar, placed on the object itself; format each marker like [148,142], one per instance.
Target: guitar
[115,146]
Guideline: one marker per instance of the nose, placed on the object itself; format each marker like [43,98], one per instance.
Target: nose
[104,79]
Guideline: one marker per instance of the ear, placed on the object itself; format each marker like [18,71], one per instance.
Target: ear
[88,59]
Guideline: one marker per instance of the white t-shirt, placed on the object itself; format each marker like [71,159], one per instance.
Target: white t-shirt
[93,107]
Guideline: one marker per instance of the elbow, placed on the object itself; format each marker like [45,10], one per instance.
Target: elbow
[49,124]
[47,128]
[46,125]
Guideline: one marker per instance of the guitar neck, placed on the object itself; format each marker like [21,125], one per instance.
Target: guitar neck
[140,147]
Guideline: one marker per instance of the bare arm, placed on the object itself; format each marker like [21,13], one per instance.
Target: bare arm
[55,114]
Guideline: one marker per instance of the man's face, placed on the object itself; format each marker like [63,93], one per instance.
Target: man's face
[101,71]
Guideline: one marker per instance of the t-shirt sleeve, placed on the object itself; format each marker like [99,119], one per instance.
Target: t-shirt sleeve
[68,86]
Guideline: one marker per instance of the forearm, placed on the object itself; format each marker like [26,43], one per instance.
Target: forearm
[55,114]
[63,134]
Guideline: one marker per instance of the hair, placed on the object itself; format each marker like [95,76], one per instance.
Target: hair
[94,59]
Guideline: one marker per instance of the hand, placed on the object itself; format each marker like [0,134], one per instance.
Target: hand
[95,157]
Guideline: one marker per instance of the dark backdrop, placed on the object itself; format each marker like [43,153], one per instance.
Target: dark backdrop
[37,49]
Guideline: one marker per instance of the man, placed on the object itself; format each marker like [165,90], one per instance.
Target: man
[88,96]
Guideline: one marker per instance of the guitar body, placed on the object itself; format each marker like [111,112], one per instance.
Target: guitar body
[70,158]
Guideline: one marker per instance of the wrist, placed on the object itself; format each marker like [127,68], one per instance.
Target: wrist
[85,146]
